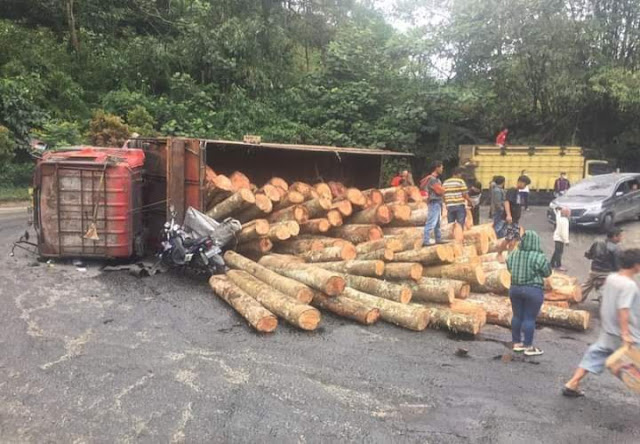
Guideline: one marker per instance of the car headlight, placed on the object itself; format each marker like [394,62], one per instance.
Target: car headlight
[593,208]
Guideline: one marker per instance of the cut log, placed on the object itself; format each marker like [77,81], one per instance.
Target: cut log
[299,246]
[335,218]
[497,282]
[560,304]
[240,181]
[394,194]
[233,203]
[403,270]
[347,308]
[358,233]
[498,311]
[258,317]
[318,278]
[323,190]
[413,194]
[495,246]
[448,318]
[416,218]
[452,232]
[296,212]
[271,192]
[461,289]
[411,232]
[469,273]
[373,196]
[377,287]
[435,254]
[338,190]
[493,257]
[305,189]
[217,189]
[384,254]
[488,267]
[479,239]
[279,232]
[400,212]
[392,244]
[412,316]
[417,205]
[260,209]
[295,312]
[251,231]
[356,267]
[408,242]
[279,182]
[426,290]
[256,247]
[294,227]
[356,197]
[315,226]
[326,241]
[378,215]
[562,287]
[342,253]
[343,206]
[317,207]
[283,284]
[469,251]
[292,198]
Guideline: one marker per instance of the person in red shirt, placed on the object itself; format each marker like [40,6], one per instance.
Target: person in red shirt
[501,140]
[402,179]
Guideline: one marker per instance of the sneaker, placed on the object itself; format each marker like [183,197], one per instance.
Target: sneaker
[561,269]
[532,351]
[518,348]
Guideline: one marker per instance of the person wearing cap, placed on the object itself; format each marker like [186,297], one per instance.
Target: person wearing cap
[561,185]
[603,255]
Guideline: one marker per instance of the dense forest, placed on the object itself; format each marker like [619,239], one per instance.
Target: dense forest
[337,72]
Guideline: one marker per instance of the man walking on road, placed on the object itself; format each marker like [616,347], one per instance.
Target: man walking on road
[456,195]
[619,317]
[604,261]
[433,186]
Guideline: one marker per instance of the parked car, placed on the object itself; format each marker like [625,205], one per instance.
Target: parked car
[601,201]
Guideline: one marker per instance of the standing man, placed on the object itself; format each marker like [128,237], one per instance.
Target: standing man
[619,318]
[604,261]
[501,140]
[402,179]
[497,204]
[513,209]
[456,195]
[475,195]
[433,186]
[561,185]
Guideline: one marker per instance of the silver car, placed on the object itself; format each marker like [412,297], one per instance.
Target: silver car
[601,201]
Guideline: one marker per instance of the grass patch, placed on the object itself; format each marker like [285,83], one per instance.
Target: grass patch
[12,194]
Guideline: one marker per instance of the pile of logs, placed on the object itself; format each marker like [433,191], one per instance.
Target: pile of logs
[304,249]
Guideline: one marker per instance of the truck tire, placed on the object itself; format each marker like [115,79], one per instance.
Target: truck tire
[607,223]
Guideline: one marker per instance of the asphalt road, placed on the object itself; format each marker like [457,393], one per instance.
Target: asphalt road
[96,357]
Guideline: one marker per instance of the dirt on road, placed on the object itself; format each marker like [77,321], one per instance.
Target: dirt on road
[105,357]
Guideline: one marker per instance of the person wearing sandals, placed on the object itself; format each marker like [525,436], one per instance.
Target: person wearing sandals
[619,318]
[528,267]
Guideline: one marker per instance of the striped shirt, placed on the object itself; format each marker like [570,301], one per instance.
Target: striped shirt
[454,190]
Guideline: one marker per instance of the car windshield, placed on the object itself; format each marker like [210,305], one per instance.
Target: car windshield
[592,188]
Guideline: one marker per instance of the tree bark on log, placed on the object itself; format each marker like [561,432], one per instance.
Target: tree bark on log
[260,209]
[411,232]
[259,228]
[452,232]
[488,267]
[318,278]
[493,257]
[497,282]
[295,312]
[462,272]
[461,289]
[373,196]
[425,290]
[296,212]
[358,233]
[356,267]
[377,287]
[378,215]
[411,316]
[417,205]
[255,248]
[384,254]
[400,212]
[279,232]
[315,226]
[403,270]
[234,203]
[394,194]
[388,243]
[258,317]
[495,246]
[447,318]
[347,308]
[342,253]
[343,206]
[317,207]
[433,255]
[281,283]
[299,246]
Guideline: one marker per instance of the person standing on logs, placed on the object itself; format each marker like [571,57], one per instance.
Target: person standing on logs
[513,210]
[433,186]
[456,195]
[528,267]
[501,140]
[497,205]
[619,317]
[604,261]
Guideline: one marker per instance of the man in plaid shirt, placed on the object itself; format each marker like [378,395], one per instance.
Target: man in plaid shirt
[528,267]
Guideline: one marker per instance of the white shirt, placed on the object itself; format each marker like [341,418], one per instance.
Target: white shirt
[620,292]
[562,229]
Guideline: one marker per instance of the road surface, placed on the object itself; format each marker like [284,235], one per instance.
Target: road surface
[97,357]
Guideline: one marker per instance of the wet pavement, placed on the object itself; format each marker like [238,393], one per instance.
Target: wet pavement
[107,357]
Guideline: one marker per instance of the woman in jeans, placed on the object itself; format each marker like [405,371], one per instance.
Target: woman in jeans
[528,267]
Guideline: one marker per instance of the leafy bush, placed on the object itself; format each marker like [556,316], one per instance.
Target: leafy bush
[59,133]
[16,174]
[107,130]
[7,145]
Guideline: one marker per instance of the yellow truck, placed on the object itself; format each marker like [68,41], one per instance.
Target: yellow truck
[543,164]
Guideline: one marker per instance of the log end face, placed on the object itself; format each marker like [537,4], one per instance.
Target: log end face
[372,316]
[348,252]
[305,295]
[335,286]
[405,295]
[379,268]
[267,324]
[415,272]
[309,319]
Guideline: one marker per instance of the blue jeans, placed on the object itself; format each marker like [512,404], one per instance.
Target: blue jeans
[457,213]
[499,224]
[434,211]
[525,303]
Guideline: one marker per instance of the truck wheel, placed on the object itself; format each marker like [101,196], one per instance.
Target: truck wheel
[607,223]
